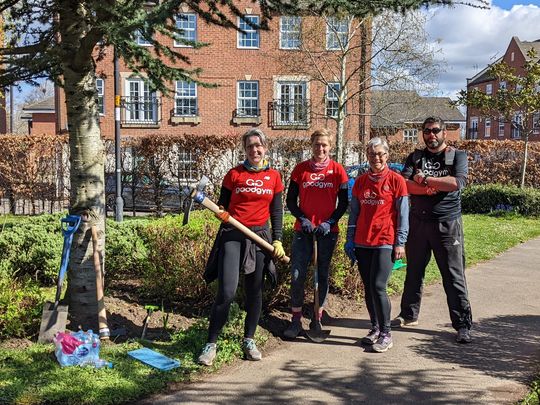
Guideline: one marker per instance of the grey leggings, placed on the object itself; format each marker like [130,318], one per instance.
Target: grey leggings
[375,266]
[228,278]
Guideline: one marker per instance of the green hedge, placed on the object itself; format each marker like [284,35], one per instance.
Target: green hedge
[500,198]
[165,257]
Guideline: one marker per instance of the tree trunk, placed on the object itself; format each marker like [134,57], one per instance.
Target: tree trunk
[87,197]
[524,162]
[364,71]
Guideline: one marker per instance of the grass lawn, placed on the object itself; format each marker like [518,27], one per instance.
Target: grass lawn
[32,375]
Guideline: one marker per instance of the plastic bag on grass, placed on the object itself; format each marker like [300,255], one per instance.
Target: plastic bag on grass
[79,349]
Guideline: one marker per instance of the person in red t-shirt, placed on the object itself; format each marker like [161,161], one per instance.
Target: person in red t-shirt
[252,194]
[315,187]
[376,236]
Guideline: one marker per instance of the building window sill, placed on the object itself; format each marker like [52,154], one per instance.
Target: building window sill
[140,125]
[192,119]
[291,126]
[247,120]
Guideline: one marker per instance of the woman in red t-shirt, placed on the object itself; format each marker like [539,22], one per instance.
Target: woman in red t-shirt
[376,236]
[317,197]
[251,193]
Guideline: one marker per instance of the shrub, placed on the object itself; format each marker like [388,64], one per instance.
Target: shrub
[500,198]
[126,253]
[20,307]
[33,247]
[177,256]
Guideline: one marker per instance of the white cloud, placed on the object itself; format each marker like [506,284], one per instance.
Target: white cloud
[472,38]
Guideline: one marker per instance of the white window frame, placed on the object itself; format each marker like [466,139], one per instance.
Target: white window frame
[242,100]
[289,115]
[289,32]
[140,40]
[501,126]
[187,166]
[189,27]
[516,131]
[250,34]
[502,85]
[410,135]
[100,89]
[536,123]
[133,115]
[474,125]
[489,88]
[487,128]
[337,33]
[187,92]
[332,99]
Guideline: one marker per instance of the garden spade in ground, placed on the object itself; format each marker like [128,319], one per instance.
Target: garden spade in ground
[54,316]
[317,334]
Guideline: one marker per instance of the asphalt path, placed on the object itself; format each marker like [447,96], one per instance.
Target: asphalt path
[425,366]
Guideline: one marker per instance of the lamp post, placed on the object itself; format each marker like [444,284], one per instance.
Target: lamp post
[119,206]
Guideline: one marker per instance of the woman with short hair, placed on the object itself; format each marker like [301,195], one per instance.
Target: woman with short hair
[376,235]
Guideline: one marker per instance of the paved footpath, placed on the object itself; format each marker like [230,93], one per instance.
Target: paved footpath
[425,366]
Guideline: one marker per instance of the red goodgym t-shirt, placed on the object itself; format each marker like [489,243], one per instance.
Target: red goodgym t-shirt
[251,194]
[318,191]
[377,222]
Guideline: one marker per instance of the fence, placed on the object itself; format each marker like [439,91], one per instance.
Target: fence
[34,170]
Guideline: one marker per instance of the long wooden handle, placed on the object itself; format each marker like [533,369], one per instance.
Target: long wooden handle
[102,313]
[207,203]
[315,280]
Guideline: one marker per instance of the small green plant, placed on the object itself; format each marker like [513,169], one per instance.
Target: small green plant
[20,307]
[164,318]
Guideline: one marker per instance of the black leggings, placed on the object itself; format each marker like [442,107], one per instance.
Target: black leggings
[228,276]
[375,266]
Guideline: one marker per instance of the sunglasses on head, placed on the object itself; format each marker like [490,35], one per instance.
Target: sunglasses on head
[433,131]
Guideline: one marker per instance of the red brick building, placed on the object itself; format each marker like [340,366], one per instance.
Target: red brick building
[398,115]
[41,117]
[255,86]
[479,127]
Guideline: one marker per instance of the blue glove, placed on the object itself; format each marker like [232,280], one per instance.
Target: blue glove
[307,225]
[323,228]
[349,249]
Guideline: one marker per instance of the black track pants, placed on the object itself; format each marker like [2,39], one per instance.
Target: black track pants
[445,240]
[375,266]
[228,277]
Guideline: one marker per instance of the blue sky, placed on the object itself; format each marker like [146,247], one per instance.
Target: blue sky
[470,38]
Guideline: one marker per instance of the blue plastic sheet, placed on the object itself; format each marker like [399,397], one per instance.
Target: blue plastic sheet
[154,359]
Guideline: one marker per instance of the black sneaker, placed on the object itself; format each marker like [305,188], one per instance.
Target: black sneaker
[463,336]
[294,329]
[371,337]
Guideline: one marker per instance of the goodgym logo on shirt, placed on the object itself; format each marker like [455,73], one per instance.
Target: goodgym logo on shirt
[370,198]
[254,186]
[317,180]
[434,169]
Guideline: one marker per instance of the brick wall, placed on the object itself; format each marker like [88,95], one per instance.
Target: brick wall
[42,124]
[224,64]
